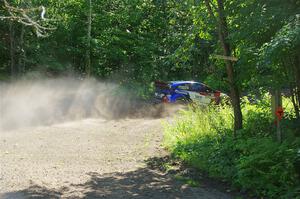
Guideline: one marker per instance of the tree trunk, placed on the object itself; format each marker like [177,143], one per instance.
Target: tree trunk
[89,30]
[293,97]
[21,63]
[234,92]
[297,77]
[12,50]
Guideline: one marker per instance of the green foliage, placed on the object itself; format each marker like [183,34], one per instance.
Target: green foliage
[197,135]
[141,40]
[286,40]
[258,120]
[137,41]
[253,161]
[132,41]
[266,167]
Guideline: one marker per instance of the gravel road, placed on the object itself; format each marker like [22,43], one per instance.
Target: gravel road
[91,158]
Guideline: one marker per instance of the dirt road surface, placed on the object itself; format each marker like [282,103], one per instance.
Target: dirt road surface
[91,158]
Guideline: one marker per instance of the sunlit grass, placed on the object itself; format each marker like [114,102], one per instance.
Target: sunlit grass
[194,123]
[253,160]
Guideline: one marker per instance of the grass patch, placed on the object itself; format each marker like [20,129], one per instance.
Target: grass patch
[253,161]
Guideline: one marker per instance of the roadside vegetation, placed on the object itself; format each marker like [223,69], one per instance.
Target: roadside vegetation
[240,47]
[252,161]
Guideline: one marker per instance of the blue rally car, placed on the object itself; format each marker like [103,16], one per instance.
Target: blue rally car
[186,91]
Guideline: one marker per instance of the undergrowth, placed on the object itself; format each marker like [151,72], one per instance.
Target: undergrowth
[252,161]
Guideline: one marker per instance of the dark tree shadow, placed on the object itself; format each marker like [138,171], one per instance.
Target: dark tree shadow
[34,191]
[148,182]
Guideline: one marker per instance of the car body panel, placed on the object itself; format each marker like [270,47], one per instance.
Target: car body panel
[174,91]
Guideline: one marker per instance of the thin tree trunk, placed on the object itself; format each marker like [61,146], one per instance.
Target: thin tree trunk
[234,91]
[89,29]
[223,36]
[21,63]
[12,50]
[293,97]
[297,77]
[296,73]
[297,96]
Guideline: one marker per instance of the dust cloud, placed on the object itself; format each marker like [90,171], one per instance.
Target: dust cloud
[44,102]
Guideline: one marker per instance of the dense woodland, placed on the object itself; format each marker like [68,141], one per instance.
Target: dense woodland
[134,42]
[139,41]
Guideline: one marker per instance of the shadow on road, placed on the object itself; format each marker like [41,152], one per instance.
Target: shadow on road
[148,182]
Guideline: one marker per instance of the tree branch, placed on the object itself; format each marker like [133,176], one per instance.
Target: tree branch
[21,15]
[209,8]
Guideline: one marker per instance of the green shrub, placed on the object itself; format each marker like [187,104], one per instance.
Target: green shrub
[202,138]
[253,161]
[266,167]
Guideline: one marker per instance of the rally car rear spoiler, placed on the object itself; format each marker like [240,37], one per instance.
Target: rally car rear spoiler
[161,85]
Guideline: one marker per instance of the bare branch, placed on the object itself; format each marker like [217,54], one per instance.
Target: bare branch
[43,12]
[22,15]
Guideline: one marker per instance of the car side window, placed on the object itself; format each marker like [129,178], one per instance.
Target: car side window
[197,87]
[184,87]
[201,88]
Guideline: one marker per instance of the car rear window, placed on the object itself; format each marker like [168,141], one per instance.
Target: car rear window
[201,88]
[197,87]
